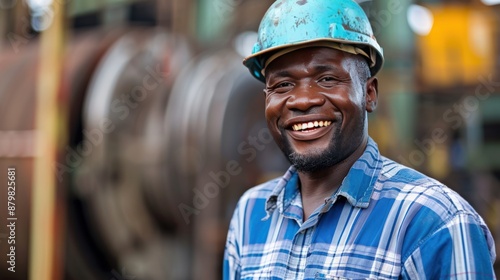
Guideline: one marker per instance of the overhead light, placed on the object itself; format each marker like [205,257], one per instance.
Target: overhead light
[420,19]
[490,2]
[38,4]
[244,43]
[42,14]
[41,19]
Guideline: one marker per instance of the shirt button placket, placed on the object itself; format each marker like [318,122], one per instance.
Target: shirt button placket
[308,274]
[300,241]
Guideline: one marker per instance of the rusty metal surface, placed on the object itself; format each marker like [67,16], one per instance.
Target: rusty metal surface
[17,133]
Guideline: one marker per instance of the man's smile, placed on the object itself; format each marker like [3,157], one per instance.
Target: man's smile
[309,128]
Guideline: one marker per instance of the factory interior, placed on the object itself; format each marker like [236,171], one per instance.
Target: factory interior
[133,127]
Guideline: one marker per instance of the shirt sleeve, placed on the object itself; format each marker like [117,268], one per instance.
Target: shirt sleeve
[462,248]
[231,266]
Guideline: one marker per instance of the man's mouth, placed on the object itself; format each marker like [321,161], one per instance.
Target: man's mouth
[310,125]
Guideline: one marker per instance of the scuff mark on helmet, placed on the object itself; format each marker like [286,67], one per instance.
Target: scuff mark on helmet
[276,21]
[300,21]
[302,2]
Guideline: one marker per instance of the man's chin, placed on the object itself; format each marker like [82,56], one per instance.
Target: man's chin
[311,162]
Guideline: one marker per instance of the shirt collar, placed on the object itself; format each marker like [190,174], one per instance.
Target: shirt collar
[357,187]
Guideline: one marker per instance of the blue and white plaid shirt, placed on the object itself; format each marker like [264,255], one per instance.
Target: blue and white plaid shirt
[386,221]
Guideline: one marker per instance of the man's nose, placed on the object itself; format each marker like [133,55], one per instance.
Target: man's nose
[304,98]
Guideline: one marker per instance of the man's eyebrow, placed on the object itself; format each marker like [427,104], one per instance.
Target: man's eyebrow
[324,68]
[279,74]
[317,68]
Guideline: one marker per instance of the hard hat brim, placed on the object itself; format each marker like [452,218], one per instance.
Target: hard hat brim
[255,62]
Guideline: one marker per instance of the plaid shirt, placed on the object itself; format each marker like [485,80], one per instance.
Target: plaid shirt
[386,221]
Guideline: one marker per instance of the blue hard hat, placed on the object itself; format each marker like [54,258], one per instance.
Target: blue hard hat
[292,23]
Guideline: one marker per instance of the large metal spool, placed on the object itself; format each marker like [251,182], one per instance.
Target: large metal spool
[149,126]
[166,146]
[128,89]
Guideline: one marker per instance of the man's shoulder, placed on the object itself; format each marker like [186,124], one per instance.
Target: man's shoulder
[398,173]
[404,183]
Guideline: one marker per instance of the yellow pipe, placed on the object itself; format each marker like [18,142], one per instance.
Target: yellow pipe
[46,226]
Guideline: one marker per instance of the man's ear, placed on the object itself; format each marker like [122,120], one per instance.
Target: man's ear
[371,94]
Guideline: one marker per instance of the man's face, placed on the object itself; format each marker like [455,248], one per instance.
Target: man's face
[316,104]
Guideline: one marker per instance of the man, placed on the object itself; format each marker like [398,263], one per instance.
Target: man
[342,211]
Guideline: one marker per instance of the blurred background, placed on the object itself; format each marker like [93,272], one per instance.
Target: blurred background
[133,127]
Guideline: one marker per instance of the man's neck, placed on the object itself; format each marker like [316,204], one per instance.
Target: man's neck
[316,186]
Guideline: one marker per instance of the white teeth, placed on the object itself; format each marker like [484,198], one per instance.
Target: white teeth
[303,126]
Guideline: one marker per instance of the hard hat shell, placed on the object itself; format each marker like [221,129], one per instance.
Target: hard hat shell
[294,22]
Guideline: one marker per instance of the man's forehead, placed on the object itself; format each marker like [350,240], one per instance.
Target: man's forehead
[318,58]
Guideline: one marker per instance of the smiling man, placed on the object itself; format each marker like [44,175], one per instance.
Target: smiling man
[342,211]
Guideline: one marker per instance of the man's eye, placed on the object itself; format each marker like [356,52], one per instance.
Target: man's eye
[327,79]
[284,85]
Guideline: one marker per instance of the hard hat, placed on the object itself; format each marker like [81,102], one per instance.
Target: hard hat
[293,24]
